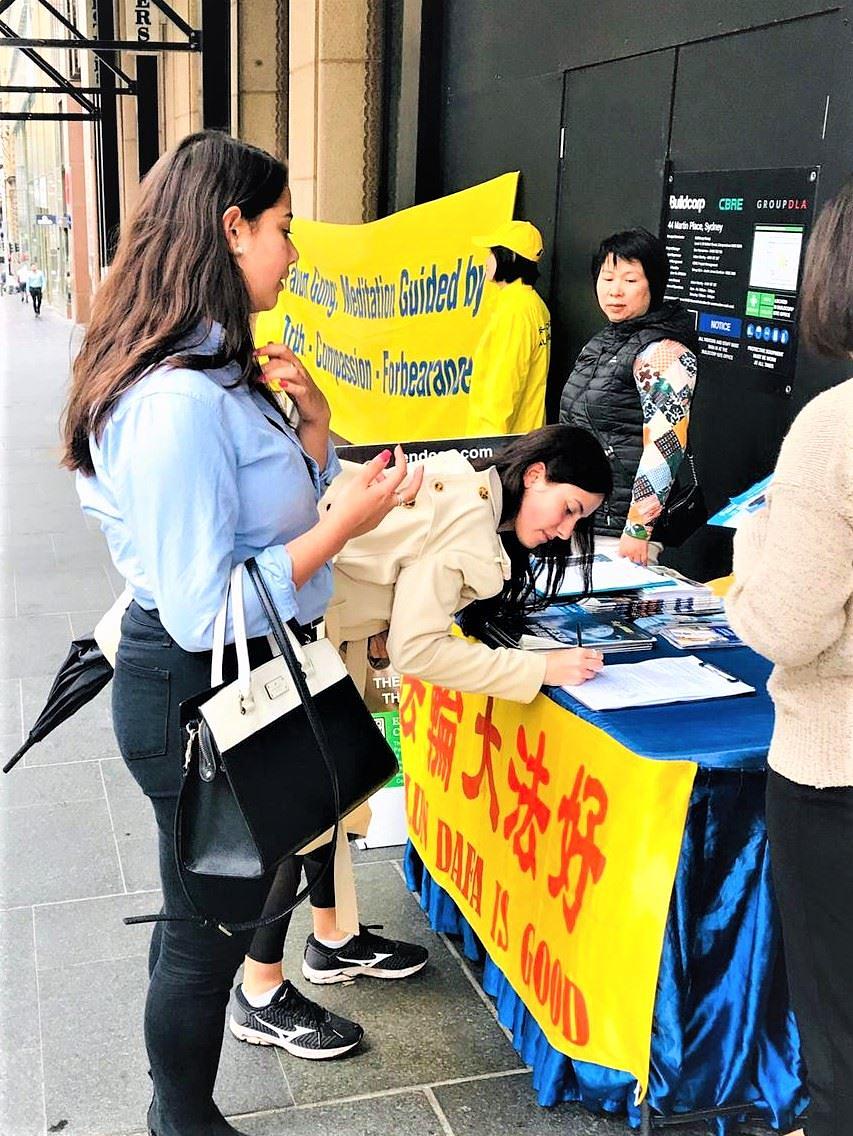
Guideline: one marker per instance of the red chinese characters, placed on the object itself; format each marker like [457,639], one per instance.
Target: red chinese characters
[531,811]
[580,858]
[445,714]
[472,782]
[413,695]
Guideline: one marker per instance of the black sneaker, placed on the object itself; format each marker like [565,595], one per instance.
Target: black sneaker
[294,1023]
[365,953]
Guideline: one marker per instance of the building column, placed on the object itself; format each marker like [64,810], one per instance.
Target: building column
[262,74]
[335,108]
[81,281]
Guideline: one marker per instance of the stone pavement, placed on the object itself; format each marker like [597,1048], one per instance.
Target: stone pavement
[77,853]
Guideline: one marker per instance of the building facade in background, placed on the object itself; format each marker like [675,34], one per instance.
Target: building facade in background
[301,78]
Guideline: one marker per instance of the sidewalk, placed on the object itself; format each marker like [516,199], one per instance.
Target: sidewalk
[77,853]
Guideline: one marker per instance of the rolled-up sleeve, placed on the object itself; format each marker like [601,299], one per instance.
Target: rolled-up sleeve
[174,476]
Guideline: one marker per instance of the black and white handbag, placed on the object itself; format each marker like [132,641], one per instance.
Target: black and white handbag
[273,760]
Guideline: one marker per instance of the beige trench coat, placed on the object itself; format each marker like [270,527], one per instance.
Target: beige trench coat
[420,566]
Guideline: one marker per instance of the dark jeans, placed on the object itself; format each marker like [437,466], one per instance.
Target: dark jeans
[191,967]
[36,296]
[811,850]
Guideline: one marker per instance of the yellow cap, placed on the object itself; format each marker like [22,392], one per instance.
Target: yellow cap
[518,236]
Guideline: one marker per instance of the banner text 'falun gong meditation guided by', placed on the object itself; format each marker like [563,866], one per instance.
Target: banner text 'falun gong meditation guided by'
[386,315]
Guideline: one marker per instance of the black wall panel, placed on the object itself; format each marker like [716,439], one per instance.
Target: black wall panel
[755,100]
[505,38]
[616,120]
[750,91]
[770,113]
[773,112]
[512,126]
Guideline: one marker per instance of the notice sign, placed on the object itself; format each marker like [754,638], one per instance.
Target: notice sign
[735,240]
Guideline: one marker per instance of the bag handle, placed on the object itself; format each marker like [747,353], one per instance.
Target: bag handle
[218,652]
[238,615]
[688,454]
[234,591]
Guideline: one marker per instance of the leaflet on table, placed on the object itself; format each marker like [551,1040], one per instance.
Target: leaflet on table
[753,499]
[609,574]
[693,635]
[562,625]
[656,682]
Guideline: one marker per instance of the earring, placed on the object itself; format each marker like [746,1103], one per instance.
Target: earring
[238,250]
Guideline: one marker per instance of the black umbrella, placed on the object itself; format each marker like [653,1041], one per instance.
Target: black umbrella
[82,675]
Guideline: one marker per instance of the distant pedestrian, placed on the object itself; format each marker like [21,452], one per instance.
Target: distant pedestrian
[35,286]
[23,278]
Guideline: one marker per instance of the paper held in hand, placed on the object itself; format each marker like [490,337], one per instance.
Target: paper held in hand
[742,506]
[656,682]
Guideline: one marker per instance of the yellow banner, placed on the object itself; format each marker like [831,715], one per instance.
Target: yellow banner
[560,847]
[386,315]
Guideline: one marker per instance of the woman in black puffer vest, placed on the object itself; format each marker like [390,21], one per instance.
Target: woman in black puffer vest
[632,386]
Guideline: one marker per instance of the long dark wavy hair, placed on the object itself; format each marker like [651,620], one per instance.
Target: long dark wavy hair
[173,272]
[570,455]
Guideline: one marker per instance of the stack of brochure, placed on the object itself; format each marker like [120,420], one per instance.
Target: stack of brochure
[568,625]
[625,590]
[691,632]
[609,574]
[670,596]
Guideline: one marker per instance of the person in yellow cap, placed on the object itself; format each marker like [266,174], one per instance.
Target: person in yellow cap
[511,359]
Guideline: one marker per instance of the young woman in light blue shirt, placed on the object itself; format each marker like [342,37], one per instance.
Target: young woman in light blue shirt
[190,468]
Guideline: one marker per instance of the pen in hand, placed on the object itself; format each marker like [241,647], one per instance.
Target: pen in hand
[578,637]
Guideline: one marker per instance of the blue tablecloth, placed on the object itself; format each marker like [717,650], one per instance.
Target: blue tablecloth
[723,1032]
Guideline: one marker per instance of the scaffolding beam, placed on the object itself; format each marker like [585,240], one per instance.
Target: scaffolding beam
[132,45]
[46,116]
[51,72]
[79,36]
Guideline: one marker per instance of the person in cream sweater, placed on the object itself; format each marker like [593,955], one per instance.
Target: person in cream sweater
[792,600]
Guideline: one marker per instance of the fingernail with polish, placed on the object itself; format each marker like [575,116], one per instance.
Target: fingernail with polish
[386,456]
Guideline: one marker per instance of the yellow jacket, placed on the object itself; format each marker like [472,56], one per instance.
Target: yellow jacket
[417,569]
[511,365]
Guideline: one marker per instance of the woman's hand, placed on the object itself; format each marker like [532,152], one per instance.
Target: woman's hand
[374,490]
[372,493]
[573,666]
[634,549]
[286,372]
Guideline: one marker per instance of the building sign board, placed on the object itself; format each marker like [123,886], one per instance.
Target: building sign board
[735,240]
